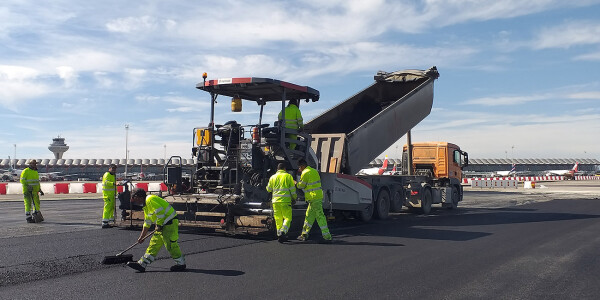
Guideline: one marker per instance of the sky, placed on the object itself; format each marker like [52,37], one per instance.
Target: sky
[518,79]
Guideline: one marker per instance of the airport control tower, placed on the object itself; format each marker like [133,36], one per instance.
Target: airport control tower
[58,147]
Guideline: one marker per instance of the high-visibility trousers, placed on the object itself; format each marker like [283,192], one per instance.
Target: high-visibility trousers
[293,137]
[282,212]
[28,197]
[315,211]
[167,237]
[108,214]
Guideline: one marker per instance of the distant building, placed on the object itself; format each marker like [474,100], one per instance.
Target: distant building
[58,147]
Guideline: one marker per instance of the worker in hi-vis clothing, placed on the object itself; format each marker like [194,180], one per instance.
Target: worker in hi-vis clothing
[109,192]
[281,184]
[161,213]
[310,182]
[293,120]
[30,180]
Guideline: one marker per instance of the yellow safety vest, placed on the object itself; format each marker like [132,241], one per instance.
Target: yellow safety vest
[30,180]
[109,185]
[293,117]
[157,211]
[310,182]
[281,184]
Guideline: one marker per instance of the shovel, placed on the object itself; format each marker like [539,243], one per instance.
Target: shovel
[121,258]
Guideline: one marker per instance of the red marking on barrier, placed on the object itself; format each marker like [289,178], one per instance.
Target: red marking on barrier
[3,188]
[61,188]
[142,185]
[163,187]
[90,188]
[120,188]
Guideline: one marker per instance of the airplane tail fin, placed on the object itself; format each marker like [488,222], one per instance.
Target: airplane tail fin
[575,167]
[384,166]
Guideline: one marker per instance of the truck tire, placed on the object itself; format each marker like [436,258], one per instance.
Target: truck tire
[426,201]
[382,206]
[396,202]
[455,199]
[366,214]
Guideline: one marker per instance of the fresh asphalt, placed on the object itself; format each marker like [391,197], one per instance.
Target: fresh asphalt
[510,244]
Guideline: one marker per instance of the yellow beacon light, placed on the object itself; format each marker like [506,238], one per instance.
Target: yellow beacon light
[236,104]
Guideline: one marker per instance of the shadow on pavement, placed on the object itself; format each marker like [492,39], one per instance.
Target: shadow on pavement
[439,224]
[200,271]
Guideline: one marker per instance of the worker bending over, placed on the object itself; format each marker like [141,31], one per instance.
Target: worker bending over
[310,182]
[293,120]
[159,212]
[30,181]
[281,184]
[109,192]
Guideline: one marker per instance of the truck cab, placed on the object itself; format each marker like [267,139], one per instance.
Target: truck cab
[435,159]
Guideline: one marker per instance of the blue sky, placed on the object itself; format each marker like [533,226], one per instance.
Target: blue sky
[519,79]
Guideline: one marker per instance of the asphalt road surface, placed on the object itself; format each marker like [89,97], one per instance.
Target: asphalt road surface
[499,244]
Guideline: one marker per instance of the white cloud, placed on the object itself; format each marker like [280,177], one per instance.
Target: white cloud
[507,100]
[103,79]
[13,93]
[67,74]
[132,24]
[568,34]
[17,73]
[586,95]
[134,78]
[594,56]
[81,59]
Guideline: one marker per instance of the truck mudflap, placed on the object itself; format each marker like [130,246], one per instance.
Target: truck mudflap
[345,192]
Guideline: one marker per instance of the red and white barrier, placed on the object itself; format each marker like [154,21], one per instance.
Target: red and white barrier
[15,188]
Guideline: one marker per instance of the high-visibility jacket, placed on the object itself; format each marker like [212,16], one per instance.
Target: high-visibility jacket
[281,184]
[310,182]
[157,211]
[293,117]
[109,185]
[30,180]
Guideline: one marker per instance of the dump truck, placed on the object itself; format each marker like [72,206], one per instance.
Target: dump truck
[226,189]
[350,135]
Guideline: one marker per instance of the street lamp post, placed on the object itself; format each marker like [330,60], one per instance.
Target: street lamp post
[126,151]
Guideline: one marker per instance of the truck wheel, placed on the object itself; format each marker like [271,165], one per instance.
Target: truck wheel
[396,203]
[426,201]
[366,214]
[455,199]
[382,206]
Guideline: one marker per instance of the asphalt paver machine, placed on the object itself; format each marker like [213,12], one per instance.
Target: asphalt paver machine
[226,189]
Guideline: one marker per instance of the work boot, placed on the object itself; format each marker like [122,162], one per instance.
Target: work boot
[303,238]
[136,266]
[282,238]
[177,268]
[30,220]
[106,225]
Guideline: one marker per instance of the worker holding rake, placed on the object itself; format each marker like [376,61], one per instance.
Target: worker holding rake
[161,213]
